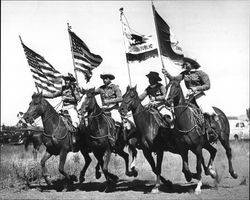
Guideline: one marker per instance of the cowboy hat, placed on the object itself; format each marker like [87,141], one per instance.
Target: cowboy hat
[69,77]
[194,64]
[154,75]
[110,76]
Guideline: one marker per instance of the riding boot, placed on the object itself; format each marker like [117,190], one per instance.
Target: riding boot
[75,148]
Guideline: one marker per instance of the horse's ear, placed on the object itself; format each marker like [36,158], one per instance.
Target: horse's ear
[134,88]
[128,87]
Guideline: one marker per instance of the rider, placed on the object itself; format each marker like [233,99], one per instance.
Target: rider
[196,82]
[70,97]
[111,95]
[156,93]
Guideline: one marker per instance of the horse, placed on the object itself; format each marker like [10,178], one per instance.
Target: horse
[154,138]
[149,133]
[56,137]
[33,137]
[187,126]
[100,127]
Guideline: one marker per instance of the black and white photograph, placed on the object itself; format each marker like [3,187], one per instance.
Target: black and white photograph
[125,100]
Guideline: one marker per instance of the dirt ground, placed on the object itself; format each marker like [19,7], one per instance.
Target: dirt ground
[139,188]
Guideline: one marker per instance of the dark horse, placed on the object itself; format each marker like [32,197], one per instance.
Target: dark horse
[154,138]
[100,127]
[33,137]
[195,138]
[149,133]
[56,137]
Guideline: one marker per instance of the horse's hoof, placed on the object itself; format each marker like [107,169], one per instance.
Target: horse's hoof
[129,174]
[98,175]
[135,173]
[155,190]
[212,173]
[73,178]
[110,188]
[49,183]
[234,175]
[188,178]
[81,179]
[197,192]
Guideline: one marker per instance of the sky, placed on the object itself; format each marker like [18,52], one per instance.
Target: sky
[215,33]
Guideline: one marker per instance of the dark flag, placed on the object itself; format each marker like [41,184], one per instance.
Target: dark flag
[84,60]
[167,43]
[46,77]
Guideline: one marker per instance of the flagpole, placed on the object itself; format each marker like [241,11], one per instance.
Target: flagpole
[157,34]
[70,40]
[121,13]
[26,58]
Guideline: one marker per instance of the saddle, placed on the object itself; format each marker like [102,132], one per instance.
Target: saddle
[71,129]
[158,117]
[112,125]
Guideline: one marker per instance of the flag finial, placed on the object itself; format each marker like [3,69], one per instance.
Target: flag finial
[69,27]
[121,9]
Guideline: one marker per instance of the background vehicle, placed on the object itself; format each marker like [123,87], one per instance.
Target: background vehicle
[239,130]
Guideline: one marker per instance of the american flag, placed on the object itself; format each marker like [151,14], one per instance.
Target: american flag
[84,60]
[46,77]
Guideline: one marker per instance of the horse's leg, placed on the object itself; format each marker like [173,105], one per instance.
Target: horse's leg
[150,159]
[104,164]
[97,170]
[226,145]
[86,165]
[209,169]
[106,158]
[45,174]
[185,168]
[132,154]
[125,156]
[198,169]
[63,156]
[159,158]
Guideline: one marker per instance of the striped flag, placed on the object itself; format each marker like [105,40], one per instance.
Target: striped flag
[46,77]
[84,60]
[138,47]
[167,42]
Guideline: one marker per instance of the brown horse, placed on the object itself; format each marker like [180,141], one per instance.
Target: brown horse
[193,137]
[149,133]
[33,137]
[153,138]
[100,127]
[56,137]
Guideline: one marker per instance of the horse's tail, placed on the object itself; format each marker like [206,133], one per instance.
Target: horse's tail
[225,127]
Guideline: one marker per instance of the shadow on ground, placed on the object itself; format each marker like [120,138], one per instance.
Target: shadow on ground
[122,185]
